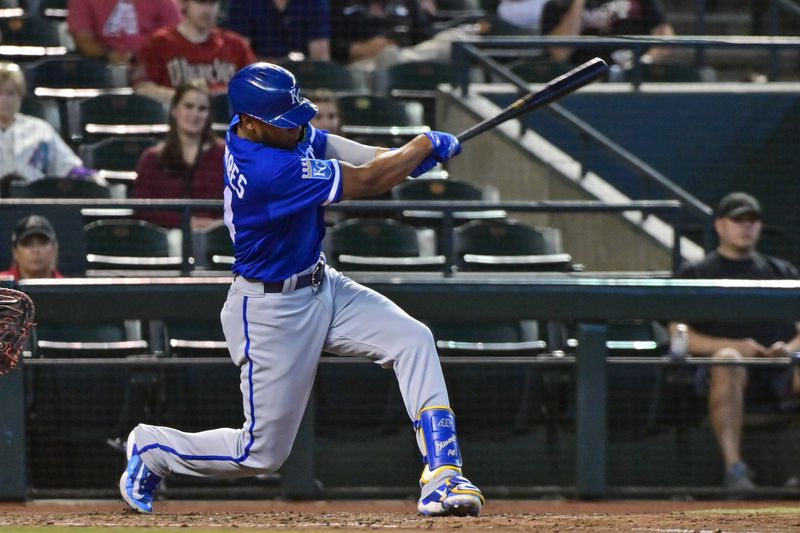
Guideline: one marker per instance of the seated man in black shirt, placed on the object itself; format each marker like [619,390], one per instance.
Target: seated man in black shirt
[738,224]
[604,18]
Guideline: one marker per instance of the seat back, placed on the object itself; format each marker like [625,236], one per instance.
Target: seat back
[218,247]
[29,31]
[437,189]
[220,112]
[125,238]
[193,338]
[120,114]
[55,187]
[71,72]
[506,245]
[499,237]
[373,237]
[422,76]
[315,74]
[539,70]
[378,244]
[109,339]
[370,110]
[116,153]
[55,9]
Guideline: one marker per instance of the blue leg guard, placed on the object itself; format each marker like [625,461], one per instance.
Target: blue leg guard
[445,491]
[438,427]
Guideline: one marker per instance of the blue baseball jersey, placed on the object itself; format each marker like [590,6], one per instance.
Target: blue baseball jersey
[275,201]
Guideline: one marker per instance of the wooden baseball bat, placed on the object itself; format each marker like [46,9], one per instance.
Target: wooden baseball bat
[555,89]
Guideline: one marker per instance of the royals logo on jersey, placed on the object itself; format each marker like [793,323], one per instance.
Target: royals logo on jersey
[315,169]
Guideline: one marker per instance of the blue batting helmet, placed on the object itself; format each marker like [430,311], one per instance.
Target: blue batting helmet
[270,94]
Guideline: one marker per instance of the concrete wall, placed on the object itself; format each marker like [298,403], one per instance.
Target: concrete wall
[602,242]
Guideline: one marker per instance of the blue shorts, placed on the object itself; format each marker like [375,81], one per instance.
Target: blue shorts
[764,385]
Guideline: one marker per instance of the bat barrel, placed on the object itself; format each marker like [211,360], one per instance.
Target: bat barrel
[557,88]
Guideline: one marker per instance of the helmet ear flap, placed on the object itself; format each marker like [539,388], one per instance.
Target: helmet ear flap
[270,94]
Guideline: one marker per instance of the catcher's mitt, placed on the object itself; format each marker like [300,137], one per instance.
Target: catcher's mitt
[16,320]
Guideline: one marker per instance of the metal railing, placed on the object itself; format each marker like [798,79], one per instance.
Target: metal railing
[671,210]
[480,52]
[590,302]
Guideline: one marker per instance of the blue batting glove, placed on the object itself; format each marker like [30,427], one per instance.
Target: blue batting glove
[427,164]
[445,145]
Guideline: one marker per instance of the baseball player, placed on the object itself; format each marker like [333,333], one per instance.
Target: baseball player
[285,305]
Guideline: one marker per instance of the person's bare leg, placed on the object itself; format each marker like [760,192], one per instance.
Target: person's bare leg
[726,405]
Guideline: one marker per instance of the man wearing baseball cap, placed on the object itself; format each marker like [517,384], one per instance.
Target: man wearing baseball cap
[728,389]
[35,249]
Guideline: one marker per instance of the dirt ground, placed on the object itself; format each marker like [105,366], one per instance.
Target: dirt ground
[498,515]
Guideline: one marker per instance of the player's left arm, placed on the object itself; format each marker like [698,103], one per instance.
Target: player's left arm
[351,151]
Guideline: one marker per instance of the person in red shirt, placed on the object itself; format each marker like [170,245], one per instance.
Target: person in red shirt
[35,249]
[188,164]
[194,51]
[114,30]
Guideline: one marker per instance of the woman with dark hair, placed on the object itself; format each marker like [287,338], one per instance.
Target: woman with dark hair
[187,164]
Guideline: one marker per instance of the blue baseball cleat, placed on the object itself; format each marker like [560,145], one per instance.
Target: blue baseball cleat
[456,496]
[138,483]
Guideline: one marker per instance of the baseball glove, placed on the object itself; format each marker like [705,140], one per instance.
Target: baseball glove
[16,320]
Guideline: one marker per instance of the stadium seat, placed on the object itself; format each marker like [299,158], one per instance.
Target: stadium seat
[217,247]
[420,78]
[115,158]
[128,244]
[434,189]
[371,110]
[55,9]
[500,399]
[55,187]
[81,340]
[314,74]
[193,338]
[29,31]
[418,81]
[71,72]
[488,338]
[220,112]
[539,70]
[42,109]
[508,245]
[377,244]
[108,115]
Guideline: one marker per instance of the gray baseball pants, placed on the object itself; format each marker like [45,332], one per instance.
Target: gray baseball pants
[276,340]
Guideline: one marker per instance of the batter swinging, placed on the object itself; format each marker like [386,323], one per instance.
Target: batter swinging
[285,305]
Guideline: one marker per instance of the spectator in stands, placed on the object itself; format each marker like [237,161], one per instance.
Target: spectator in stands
[280,29]
[34,248]
[329,116]
[188,164]
[114,30]
[377,34]
[194,51]
[519,17]
[605,18]
[30,148]
[738,223]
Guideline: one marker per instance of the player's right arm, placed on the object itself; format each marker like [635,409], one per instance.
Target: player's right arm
[391,167]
